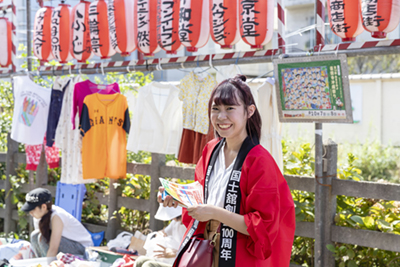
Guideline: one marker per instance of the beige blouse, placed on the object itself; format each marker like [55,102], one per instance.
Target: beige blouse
[195,93]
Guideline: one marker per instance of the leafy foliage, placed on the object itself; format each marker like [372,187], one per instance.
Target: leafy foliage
[359,213]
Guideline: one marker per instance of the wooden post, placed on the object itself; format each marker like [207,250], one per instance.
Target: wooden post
[325,207]
[114,220]
[12,150]
[157,160]
[42,177]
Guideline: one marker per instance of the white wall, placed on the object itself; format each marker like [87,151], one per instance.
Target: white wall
[380,116]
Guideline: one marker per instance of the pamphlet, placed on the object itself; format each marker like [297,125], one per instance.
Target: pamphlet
[185,194]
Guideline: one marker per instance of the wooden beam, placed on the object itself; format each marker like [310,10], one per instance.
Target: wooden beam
[306,229]
[138,168]
[302,183]
[3,157]
[25,188]
[185,173]
[366,238]
[366,189]
[134,203]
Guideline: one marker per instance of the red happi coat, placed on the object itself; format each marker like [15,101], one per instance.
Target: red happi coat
[267,206]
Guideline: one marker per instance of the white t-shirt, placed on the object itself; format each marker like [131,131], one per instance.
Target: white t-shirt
[176,230]
[31,111]
[219,180]
[72,229]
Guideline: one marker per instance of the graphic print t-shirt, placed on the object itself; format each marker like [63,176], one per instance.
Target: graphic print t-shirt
[31,110]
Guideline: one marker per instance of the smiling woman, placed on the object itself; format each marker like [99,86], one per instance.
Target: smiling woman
[246,196]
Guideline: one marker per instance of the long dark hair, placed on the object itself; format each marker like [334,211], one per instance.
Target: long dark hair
[44,223]
[225,94]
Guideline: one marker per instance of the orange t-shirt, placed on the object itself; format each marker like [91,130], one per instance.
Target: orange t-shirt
[104,124]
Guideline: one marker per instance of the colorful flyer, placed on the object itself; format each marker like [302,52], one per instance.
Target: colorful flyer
[186,194]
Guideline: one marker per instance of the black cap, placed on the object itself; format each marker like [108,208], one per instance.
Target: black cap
[35,198]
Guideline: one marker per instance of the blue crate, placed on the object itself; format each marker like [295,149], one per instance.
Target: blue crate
[70,198]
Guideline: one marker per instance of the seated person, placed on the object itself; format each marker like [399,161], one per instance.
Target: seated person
[55,229]
[162,246]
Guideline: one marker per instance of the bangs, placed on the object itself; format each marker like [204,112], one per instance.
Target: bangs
[226,94]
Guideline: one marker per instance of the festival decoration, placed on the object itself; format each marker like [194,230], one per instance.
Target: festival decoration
[256,22]
[345,19]
[194,24]
[168,26]
[123,35]
[224,21]
[380,17]
[81,44]
[5,42]
[42,34]
[147,27]
[101,19]
[61,42]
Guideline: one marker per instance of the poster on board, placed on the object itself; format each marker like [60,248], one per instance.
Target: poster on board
[313,89]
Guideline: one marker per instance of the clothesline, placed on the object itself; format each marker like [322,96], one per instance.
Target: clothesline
[251,57]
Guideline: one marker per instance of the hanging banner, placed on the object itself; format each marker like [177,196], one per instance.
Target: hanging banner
[313,89]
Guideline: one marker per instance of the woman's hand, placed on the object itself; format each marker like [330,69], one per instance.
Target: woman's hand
[168,200]
[165,252]
[202,213]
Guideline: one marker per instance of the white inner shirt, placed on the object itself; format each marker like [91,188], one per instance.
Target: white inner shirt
[219,180]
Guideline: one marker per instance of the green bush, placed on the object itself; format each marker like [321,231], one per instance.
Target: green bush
[359,213]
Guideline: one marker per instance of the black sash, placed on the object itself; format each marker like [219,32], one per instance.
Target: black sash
[227,254]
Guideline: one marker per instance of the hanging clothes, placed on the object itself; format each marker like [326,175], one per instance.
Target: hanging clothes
[56,100]
[86,88]
[33,153]
[156,120]
[271,138]
[70,140]
[192,145]
[195,93]
[104,124]
[227,72]
[31,111]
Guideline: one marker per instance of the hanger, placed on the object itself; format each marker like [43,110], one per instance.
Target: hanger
[210,63]
[236,63]
[262,75]
[203,71]
[70,73]
[183,68]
